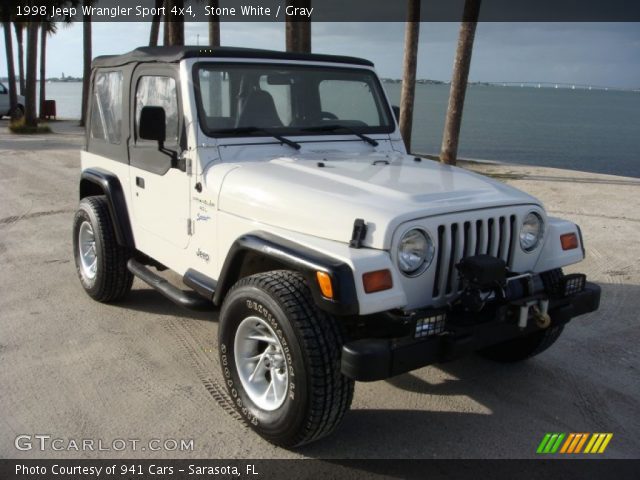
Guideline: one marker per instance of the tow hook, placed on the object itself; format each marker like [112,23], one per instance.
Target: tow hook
[542,318]
[539,310]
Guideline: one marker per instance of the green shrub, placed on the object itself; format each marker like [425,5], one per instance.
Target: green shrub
[19,127]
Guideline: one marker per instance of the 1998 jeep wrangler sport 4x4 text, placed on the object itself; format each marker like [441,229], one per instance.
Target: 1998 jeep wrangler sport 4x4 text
[279,187]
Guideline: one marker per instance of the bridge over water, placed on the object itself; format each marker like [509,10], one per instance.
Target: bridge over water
[570,86]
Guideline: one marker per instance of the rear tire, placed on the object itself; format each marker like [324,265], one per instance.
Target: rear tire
[522,348]
[301,347]
[101,262]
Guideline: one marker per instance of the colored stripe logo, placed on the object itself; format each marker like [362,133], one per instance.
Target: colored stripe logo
[574,443]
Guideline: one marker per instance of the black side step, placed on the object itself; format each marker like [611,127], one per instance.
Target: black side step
[202,284]
[188,299]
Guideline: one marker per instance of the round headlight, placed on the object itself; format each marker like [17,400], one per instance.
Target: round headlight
[531,231]
[415,252]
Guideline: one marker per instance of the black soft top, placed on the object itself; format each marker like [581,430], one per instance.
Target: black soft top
[175,54]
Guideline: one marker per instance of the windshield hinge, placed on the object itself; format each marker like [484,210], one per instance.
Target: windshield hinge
[359,233]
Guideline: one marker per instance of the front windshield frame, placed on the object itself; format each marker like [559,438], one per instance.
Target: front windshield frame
[378,94]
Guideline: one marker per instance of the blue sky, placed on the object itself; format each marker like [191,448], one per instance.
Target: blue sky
[606,54]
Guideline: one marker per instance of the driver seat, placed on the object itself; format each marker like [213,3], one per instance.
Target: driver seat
[259,110]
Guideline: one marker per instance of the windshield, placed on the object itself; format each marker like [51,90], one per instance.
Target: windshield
[288,100]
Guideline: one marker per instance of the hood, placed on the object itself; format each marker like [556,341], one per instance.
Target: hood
[322,195]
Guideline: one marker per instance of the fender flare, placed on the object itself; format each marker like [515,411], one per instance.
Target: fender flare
[295,257]
[96,181]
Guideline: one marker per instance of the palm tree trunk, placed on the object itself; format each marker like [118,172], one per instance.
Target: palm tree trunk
[215,85]
[462,63]
[155,26]
[31,118]
[165,24]
[43,67]
[19,28]
[13,96]
[214,26]
[411,36]
[86,67]
[298,36]
[298,30]
[176,23]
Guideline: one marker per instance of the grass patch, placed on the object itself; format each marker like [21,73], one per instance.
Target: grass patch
[19,127]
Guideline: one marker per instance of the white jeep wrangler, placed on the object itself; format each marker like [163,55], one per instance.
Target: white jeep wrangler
[278,186]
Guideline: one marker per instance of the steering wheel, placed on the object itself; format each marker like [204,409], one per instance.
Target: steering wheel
[328,116]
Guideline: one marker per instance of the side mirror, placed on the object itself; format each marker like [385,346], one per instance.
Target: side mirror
[153,124]
[396,112]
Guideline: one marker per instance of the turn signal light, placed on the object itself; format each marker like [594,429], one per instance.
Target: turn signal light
[377,281]
[569,241]
[324,281]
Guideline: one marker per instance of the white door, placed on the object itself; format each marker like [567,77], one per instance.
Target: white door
[159,188]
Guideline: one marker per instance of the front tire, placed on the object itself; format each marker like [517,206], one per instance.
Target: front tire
[522,348]
[101,262]
[280,357]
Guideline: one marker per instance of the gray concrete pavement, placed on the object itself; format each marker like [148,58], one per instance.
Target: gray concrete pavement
[146,369]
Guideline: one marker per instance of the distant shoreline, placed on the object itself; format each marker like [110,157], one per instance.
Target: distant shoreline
[428,81]
[51,80]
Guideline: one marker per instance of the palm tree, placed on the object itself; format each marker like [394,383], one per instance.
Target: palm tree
[13,97]
[165,24]
[176,22]
[31,118]
[462,63]
[412,32]
[86,64]
[33,28]
[47,27]
[19,28]
[214,26]
[155,25]
[298,30]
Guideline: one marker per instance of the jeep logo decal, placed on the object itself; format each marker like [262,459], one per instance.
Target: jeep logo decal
[203,255]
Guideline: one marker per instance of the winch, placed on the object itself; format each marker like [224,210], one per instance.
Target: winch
[486,278]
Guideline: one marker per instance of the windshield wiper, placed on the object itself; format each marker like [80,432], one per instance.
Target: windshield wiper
[241,130]
[331,128]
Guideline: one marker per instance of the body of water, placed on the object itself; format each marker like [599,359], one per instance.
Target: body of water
[591,130]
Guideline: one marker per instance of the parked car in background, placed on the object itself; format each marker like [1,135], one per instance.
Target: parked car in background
[5,105]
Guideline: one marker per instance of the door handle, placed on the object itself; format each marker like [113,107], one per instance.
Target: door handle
[140,182]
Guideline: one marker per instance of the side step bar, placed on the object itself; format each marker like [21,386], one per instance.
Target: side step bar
[187,299]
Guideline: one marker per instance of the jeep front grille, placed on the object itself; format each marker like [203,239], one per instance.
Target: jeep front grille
[491,236]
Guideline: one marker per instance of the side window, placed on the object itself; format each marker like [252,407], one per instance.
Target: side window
[159,91]
[3,89]
[106,107]
[349,100]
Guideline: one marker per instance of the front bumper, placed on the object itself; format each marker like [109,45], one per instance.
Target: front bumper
[373,359]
